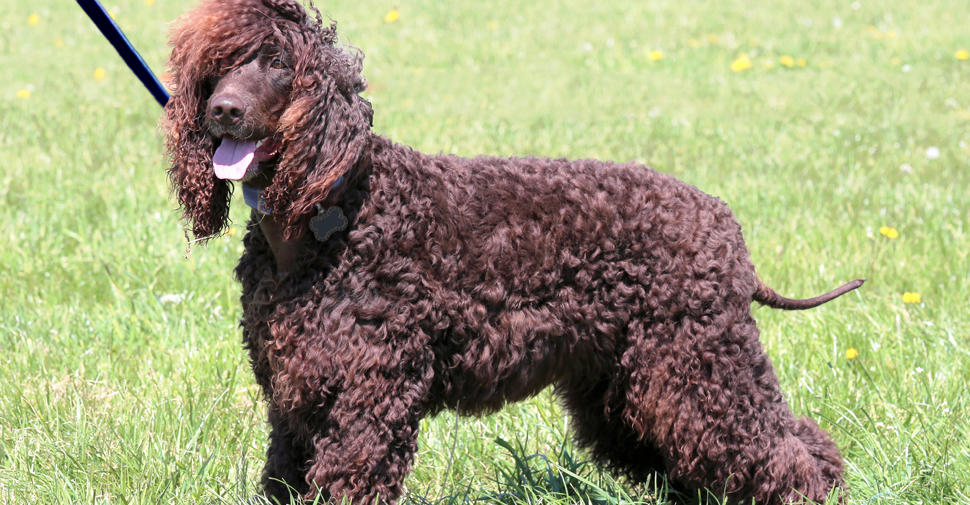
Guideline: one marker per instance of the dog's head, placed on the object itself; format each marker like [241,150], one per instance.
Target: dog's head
[262,93]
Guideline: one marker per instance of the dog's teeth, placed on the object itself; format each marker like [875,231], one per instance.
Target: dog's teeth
[259,142]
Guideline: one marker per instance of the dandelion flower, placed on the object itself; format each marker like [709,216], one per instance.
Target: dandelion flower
[889,232]
[99,73]
[787,61]
[801,62]
[392,16]
[656,55]
[149,2]
[962,54]
[891,34]
[58,43]
[912,297]
[24,93]
[742,63]
[33,19]
[851,353]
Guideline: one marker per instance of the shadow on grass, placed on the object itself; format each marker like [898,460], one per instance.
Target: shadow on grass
[559,478]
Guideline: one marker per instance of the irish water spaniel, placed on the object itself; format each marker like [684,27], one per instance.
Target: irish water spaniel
[381,285]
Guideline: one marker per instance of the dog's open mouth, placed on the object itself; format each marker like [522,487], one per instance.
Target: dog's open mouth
[234,159]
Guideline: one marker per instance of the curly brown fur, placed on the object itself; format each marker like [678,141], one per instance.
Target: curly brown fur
[470,283]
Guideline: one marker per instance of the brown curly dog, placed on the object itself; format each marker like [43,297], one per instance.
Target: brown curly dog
[381,285]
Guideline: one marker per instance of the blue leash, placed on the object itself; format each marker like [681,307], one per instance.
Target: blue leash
[114,35]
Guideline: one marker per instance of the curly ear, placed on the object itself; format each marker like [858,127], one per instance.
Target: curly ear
[203,197]
[326,130]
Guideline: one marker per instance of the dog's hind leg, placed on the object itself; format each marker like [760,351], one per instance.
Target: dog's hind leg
[704,391]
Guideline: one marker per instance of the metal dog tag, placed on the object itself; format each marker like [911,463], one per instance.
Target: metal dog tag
[325,223]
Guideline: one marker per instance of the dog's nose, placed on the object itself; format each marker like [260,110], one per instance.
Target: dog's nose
[227,109]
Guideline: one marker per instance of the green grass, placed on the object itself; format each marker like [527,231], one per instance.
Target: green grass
[113,393]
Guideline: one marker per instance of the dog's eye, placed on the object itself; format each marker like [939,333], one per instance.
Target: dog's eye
[278,63]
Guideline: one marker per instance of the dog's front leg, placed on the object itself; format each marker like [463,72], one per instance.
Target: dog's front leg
[284,477]
[370,445]
[353,392]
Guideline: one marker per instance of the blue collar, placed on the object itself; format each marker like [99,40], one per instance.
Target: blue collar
[254,196]
[322,226]
[254,199]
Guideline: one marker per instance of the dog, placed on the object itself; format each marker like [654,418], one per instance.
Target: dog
[381,285]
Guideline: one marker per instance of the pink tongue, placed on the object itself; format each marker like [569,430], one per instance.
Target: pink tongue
[233,157]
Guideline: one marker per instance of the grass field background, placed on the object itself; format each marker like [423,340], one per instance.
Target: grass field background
[837,131]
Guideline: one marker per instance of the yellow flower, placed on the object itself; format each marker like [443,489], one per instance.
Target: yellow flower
[392,16]
[912,297]
[851,353]
[712,38]
[656,55]
[33,19]
[891,34]
[787,61]
[801,62]
[962,54]
[24,93]
[230,231]
[149,2]
[742,63]
[99,73]
[58,43]
[889,232]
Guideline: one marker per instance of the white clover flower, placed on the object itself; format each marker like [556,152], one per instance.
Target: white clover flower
[174,299]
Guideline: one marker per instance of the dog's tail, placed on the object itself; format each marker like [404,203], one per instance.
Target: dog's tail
[767,296]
